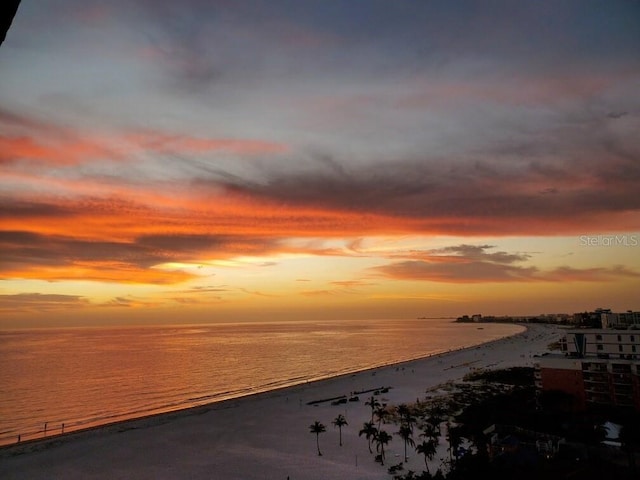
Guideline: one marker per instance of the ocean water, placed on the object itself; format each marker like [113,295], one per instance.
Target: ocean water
[73,378]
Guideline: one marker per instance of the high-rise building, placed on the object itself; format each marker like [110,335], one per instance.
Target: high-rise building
[597,366]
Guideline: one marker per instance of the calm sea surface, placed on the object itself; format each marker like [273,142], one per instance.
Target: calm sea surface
[86,377]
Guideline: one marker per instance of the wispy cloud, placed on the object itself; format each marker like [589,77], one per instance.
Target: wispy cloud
[37,141]
[340,287]
[318,293]
[131,302]
[596,274]
[40,302]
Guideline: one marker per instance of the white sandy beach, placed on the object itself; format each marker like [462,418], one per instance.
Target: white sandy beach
[265,436]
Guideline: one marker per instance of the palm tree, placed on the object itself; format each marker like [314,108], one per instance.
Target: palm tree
[430,435]
[406,432]
[317,428]
[382,413]
[430,432]
[406,416]
[369,431]
[373,403]
[454,441]
[382,438]
[428,449]
[340,422]
[436,416]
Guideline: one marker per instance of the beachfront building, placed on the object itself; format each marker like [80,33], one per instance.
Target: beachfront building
[598,367]
[624,320]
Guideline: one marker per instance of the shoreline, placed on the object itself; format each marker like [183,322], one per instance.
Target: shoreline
[36,419]
[266,435]
[35,444]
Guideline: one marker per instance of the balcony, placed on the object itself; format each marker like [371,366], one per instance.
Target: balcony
[599,400]
[624,401]
[595,367]
[621,380]
[597,392]
[595,378]
[621,368]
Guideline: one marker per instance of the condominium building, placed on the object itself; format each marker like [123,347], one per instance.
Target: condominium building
[597,367]
[621,320]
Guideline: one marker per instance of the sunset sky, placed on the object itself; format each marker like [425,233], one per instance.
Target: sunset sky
[202,161]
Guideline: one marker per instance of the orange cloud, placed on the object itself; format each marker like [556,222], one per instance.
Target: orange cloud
[67,151]
[130,302]
[598,274]
[110,272]
[474,264]
[40,302]
[37,141]
[71,150]
[114,228]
